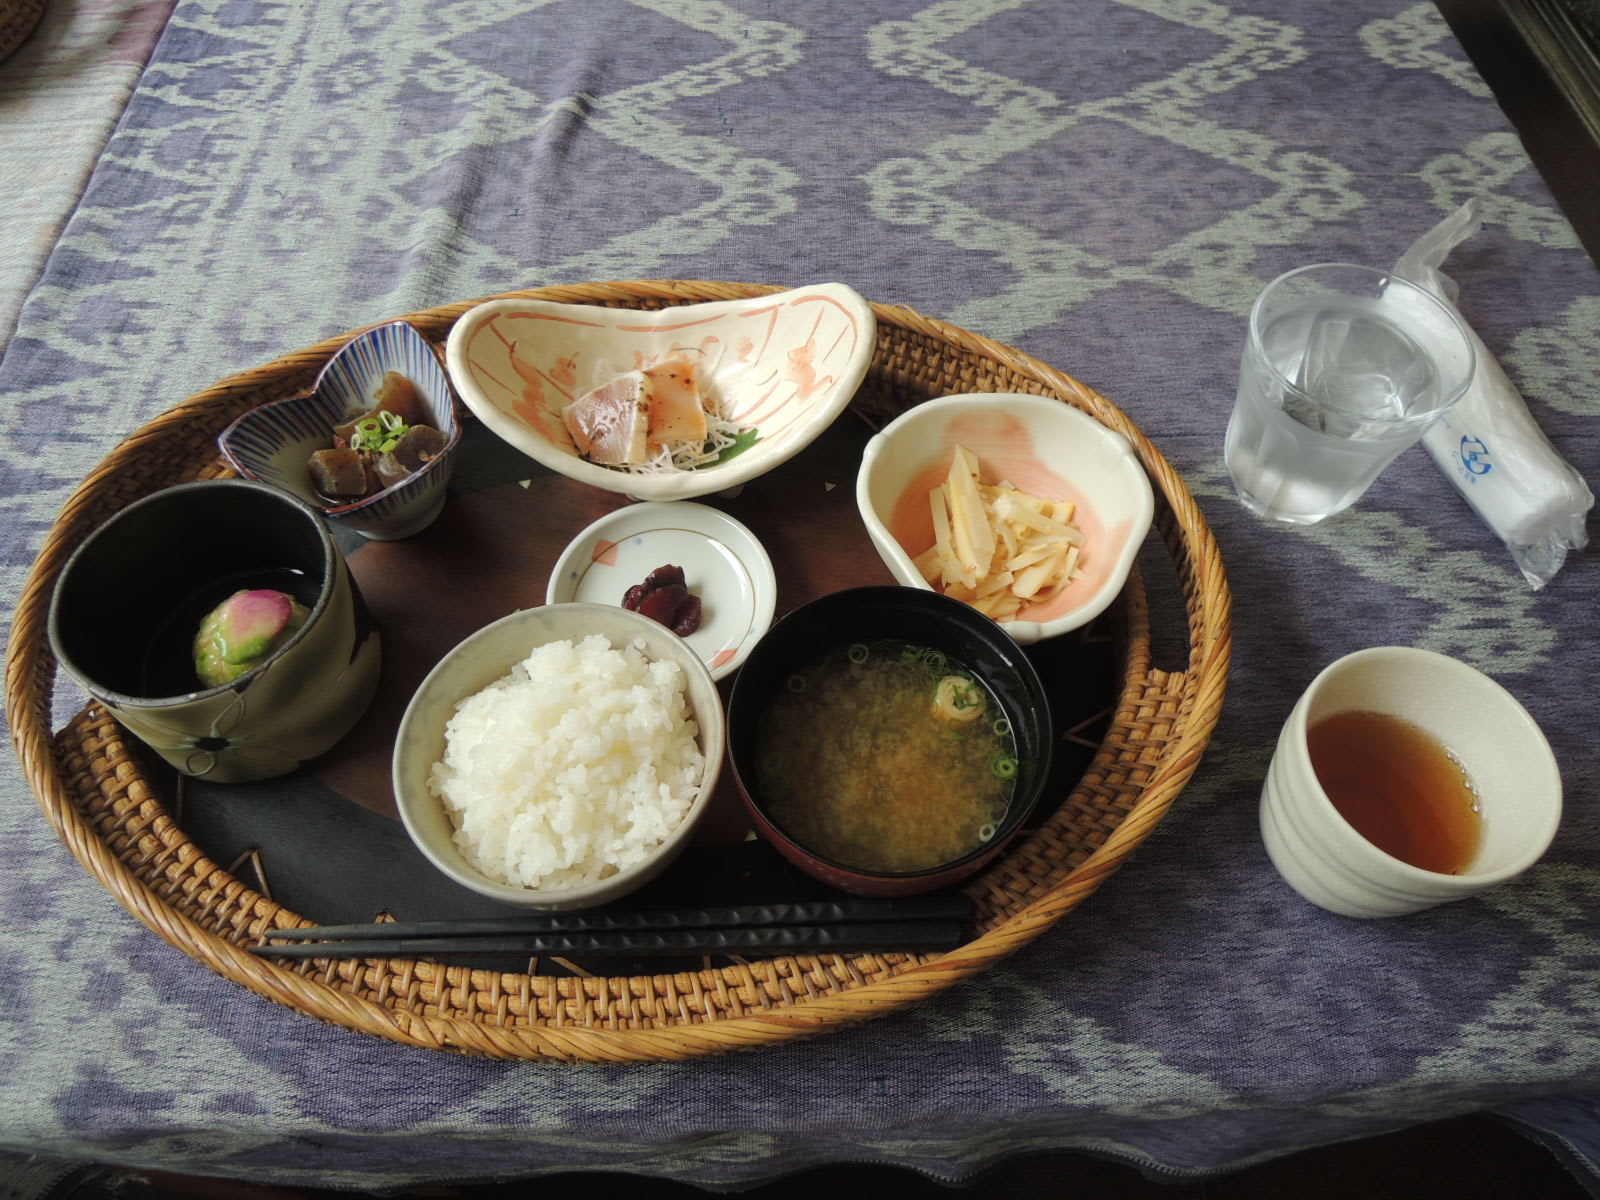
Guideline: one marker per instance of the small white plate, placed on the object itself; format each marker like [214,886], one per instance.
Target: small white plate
[722,563]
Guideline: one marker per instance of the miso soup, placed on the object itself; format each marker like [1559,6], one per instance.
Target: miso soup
[886,757]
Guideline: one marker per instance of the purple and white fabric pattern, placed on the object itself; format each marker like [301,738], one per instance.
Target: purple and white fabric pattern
[1106,185]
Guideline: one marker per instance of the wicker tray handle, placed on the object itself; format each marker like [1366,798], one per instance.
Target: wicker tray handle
[92,789]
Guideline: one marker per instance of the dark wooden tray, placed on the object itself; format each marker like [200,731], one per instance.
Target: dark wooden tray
[327,842]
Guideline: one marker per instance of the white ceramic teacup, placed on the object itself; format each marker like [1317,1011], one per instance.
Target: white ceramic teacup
[1497,743]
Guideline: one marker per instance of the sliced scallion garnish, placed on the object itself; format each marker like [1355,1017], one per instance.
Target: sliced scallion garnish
[378,432]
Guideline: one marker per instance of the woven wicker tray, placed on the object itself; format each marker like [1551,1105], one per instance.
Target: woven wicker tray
[110,811]
[18,19]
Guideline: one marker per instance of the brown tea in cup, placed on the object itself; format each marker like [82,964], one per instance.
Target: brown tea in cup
[1399,787]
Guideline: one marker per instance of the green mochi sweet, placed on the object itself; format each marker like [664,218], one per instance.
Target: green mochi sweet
[243,631]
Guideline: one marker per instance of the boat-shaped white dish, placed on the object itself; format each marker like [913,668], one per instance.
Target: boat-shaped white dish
[780,367]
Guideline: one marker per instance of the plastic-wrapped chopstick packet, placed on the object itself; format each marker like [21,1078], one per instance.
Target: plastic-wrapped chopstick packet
[1489,445]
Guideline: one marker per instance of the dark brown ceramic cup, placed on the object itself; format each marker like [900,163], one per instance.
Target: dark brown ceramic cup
[127,604]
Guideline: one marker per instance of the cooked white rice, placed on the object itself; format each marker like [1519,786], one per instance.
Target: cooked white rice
[571,768]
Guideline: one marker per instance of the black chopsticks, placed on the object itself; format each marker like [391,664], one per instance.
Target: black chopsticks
[914,923]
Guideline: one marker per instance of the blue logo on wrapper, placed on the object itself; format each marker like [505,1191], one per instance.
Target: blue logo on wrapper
[1475,456]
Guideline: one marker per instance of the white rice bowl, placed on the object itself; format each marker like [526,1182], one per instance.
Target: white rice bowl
[573,767]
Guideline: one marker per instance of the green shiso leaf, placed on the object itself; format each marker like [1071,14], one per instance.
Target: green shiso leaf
[741,442]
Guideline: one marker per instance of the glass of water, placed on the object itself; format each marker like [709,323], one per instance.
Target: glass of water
[1344,367]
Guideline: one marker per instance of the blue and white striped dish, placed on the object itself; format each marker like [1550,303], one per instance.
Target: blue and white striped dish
[274,443]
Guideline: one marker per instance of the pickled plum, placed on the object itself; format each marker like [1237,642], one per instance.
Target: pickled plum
[661,604]
[664,596]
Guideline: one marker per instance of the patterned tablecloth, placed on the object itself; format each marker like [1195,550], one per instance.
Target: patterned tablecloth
[1105,185]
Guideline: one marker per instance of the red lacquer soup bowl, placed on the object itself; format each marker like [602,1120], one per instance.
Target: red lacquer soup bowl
[891,620]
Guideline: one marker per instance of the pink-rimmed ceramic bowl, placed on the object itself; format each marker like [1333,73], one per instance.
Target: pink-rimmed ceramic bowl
[782,367]
[1036,443]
